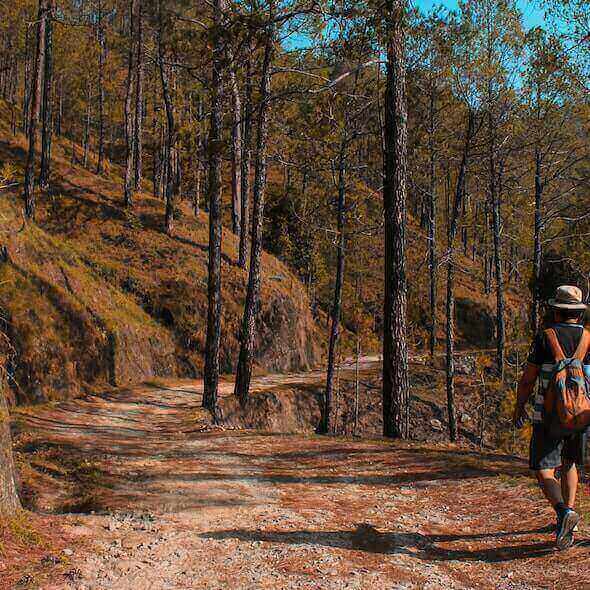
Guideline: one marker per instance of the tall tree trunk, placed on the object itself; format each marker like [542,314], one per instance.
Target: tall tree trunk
[432,220]
[87,125]
[101,94]
[138,119]
[198,176]
[129,114]
[496,229]
[27,82]
[244,369]
[35,108]
[450,307]
[236,148]
[9,502]
[328,422]
[215,147]
[487,260]
[396,411]
[245,160]
[170,128]
[156,150]
[47,100]
[537,247]
[60,103]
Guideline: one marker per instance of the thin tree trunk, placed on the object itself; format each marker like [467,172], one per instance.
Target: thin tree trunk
[450,307]
[156,150]
[60,102]
[245,160]
[27,82]
[215,145]
[101,94]
[357,382]
[328,421]
[537,247]
[198,179]
[487,280]
[9,502]
[87,126]
[244,369]
[395,353]
[432,221]
[36,92]
[170,129]
[47,100]
[236,149]
[129,114]
[138,119]
[496,228]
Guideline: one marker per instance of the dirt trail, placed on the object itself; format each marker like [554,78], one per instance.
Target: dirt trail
[179,505]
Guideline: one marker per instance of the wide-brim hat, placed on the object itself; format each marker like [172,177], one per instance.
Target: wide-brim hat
[567,297]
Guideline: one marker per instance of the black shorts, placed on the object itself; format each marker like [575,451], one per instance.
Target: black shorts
[547,452]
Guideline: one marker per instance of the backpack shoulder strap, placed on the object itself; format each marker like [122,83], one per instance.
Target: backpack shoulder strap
[583,346]
[554,345]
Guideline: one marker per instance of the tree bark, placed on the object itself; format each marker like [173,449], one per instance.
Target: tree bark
[496,229]
[101,93]
[432,220]
[60,103]
[215,146]
[47,100]
[87,125]
[138,118]
[328,422]
[170,128]
[245,161]
[450,306]
[244,369]
[395,352]
[537,247]
[129,114]
[9,502]
[36,91]
[27,82]
[236,148]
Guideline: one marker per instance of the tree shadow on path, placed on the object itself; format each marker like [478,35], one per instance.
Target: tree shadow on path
[421,546]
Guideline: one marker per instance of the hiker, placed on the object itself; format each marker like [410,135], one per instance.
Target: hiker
[553,446]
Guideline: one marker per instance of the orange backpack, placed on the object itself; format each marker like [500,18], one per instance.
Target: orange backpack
[567,401]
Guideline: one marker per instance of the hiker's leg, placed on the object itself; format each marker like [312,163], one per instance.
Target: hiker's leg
[550,486]
[569,483]
[574,455]
[545,457]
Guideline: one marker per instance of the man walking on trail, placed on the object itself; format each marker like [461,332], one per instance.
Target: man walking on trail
[566,337]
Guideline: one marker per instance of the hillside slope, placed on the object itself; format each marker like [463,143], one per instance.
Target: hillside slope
[93,293]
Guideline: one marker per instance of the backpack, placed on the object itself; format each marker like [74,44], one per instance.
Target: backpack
[567,398]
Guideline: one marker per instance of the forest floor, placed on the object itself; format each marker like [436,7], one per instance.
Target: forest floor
[164,500]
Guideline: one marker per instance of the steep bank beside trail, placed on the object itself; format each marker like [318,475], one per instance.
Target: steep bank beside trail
[94,293]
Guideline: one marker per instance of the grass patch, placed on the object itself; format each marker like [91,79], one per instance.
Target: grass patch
[19,530]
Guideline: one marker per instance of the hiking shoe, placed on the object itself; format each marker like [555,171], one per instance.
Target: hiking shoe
[566,523]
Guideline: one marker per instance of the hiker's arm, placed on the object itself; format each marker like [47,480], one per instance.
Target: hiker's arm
[525,389]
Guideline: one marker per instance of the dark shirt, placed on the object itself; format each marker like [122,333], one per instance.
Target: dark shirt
[568,336]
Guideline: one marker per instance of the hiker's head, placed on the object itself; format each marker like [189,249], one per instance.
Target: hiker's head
[567,305]
[562,315]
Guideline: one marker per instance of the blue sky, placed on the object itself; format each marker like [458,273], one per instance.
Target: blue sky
[532,14]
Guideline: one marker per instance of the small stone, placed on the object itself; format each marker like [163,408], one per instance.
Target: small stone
[436,424]
[68,552]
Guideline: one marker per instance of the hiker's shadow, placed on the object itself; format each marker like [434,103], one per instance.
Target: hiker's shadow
[426,547]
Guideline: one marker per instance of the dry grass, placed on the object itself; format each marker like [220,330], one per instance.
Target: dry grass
[94,293]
